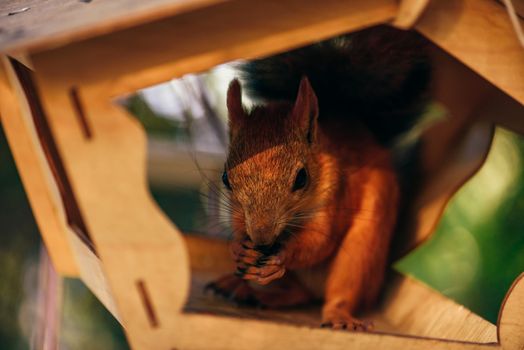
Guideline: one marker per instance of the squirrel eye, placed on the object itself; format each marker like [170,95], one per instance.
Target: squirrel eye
[300,180]
[225,180]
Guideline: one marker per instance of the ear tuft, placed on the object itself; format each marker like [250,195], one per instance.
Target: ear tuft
[305,111]
[234,103]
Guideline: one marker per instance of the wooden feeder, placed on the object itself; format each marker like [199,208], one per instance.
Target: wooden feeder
[82,158]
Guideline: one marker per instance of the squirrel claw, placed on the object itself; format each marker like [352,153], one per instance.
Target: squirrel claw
[254,265]
[265,275]
[234,289]
[344,321]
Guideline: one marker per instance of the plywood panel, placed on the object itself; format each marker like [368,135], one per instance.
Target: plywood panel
[37,25]
[408,13]
[192,42]
[409,307]
[478,33]
[34,171]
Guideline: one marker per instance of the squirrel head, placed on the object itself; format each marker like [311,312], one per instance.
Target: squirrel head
[271,170]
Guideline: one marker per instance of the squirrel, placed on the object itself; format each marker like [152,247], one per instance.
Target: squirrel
[310,174]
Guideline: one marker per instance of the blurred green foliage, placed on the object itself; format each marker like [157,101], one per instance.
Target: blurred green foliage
[86,323]
[153,123]
[183,206]
[19,243]
[477,250]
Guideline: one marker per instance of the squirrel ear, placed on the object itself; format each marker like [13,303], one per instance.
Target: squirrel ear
[305,111]
[234,105]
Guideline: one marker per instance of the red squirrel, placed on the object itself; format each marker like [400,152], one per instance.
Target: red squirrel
[310,175]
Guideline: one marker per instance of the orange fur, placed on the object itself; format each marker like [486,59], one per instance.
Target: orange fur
[344,216]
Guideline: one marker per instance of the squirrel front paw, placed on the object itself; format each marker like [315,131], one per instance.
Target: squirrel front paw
[288,292]
[254,265]
[341,319]
[234,289]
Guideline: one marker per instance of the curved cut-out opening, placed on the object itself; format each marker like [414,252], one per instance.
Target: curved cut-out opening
[476,251]
[186,122]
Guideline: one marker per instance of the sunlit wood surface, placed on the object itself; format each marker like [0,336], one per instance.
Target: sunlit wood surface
[34,25]
[142,267]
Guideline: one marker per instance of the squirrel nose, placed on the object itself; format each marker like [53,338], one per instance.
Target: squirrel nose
[263,235]
[261,227]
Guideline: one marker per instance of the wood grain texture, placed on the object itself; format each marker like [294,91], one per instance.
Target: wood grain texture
[242,334]
[479,34]
[134,240]
[131,59]
[415,309]
[410,311]
[409,12]
[73,215]
[70,256]
[53,23]
[511,317]
[34,170]
[91,272]
[409,307]
[137,244]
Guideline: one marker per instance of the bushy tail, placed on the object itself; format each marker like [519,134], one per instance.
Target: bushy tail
[379,76]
